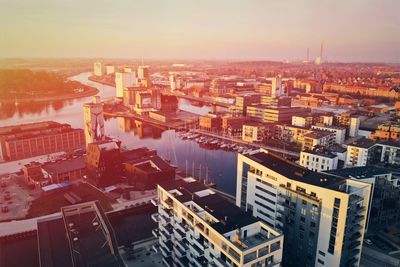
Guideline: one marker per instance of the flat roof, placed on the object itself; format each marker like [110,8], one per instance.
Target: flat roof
[319,152]
[64,165]
[229,215]
[296,172]
[363,143]
[360,172]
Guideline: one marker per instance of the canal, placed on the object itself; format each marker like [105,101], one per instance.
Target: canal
[186,154]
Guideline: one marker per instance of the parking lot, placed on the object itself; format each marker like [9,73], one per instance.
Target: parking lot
[15,198]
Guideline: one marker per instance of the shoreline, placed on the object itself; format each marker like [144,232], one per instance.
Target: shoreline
[91,91]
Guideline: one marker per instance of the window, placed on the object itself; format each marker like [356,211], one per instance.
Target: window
[302,219]
[321,253]
[321,262]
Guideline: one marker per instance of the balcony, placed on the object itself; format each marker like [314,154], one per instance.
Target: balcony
[200,261]
[154,202]
[219,262]
[165,213]
[181,226]
[179,234]
[155,233]
[196,251]
[183,244]
[183,262]
[165,252]
[179,252]
[168,261]
[155,217]
[155,248]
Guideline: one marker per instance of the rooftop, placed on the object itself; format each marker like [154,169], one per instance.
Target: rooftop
[317,134]
[229,216]
[64,165]
[360,172]
[296,172]
[320,152]
[363,143]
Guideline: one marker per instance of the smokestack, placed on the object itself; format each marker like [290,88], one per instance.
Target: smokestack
[322,50]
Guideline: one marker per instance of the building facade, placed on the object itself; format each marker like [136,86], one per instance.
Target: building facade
[198,227]
[322,217]
[318,160]
[93,118]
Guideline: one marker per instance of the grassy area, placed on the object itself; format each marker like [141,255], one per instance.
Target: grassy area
[52,202]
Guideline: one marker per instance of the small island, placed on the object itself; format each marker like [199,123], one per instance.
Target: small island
[23,85]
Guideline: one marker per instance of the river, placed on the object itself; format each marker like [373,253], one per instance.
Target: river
[221,165]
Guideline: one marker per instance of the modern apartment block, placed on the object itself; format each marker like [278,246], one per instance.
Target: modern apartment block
[35,139]
[323,217]
[318,160]
[199,227]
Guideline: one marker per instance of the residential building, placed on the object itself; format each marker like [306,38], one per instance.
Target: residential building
[318,138]
[318,160]
[93,118]
[233,126]
[322,216]
[143,72]
[303,120]
[340,132]
[362,152]
[242,102]
[210,122]
[123,80]
[385,196]
[253,132]
[35,139]
[387,131]
[267,113]
[281,101]
[199,227]
[98,68]
[64,170]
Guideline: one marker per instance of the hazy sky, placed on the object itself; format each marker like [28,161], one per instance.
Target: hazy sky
[352,30]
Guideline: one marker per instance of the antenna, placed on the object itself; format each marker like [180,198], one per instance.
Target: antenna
[308,54]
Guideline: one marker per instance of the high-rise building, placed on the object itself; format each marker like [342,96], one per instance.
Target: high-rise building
[276,86]
[98,68]
[124,79]
[143,72]
[110,69]
[93,118]
[199,227]
[322,216]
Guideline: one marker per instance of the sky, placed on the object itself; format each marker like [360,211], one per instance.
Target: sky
[352,30]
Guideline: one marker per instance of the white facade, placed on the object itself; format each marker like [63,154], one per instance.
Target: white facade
[252,133]
[302,121]
[340,132]
[354,126]
[143,72]
[122,80]
[276,86]
[318,162]
[301,202]
[191,231]
[110,69]
[93,119]
[98,68]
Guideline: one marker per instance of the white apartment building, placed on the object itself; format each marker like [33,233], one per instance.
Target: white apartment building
[360,153]
[322,216]
[98,68]
[340,132]
[354,126]
[199,227]
[318,160]
[253,132]
[302,121]
[110,69]
[122,80]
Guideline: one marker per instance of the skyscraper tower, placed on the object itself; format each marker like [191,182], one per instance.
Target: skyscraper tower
[321,51]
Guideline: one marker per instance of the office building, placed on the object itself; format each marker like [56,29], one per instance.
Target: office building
[318,160]
[243,101]
[35,139]
[322,216]
[93,119]
[199,227]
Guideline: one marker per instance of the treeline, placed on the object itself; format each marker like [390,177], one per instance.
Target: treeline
[26,83]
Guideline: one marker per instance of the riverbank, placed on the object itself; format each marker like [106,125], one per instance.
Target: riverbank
[101,80]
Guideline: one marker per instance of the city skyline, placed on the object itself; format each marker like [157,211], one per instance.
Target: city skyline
[367,31]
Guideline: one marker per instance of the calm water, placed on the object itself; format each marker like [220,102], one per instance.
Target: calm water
[221,165]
